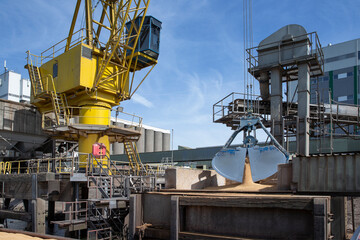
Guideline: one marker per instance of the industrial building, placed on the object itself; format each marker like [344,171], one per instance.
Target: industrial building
[341,74]
[13,87]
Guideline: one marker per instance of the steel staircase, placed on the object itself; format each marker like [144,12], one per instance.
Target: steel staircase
[110,184]
[35,79]
[106,223]
[134,159]
[107,178]
[60,107]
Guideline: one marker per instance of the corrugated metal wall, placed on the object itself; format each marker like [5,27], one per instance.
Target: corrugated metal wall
[327,173]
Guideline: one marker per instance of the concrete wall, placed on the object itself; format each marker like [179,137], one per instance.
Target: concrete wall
[186,178]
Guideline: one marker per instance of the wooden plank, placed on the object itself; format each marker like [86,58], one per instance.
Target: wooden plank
[256,202]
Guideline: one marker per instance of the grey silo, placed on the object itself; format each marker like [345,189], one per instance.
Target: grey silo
[158,141]
[118,148]
[149,140]
[111,150]
[166,141]
[140,144]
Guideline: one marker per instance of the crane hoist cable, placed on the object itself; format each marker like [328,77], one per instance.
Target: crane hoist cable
[234,162]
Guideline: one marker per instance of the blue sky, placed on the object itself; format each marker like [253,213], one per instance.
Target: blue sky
[201,53]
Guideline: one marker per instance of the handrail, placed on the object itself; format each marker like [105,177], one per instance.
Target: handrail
[78,40]
[41,165]
[228,104]
[74,118]
[313,43]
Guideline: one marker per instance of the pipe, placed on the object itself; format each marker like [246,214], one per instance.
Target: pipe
[264,85]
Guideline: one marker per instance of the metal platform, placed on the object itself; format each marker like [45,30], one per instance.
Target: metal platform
[115,133]
[232,107]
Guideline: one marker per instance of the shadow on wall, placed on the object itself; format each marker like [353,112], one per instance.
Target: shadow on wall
[206,179]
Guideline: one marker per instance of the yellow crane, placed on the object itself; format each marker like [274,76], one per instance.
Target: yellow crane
[76,82]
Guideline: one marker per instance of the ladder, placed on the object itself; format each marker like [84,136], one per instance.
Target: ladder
[35,78]
[61,110]
[134,158]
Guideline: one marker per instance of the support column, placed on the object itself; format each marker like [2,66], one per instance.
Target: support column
[33,201]
[135,214]
[276,104]
[303,109]
[175,218]
[38,208]
[40,218]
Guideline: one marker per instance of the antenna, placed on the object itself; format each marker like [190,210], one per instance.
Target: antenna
[5,66]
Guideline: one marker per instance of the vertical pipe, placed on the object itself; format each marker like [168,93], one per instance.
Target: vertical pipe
[304,108]
[276,104]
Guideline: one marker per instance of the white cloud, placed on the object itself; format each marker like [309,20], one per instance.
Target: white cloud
[141,100]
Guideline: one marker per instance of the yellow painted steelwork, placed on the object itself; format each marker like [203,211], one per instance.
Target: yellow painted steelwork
[96,70]
[94,115]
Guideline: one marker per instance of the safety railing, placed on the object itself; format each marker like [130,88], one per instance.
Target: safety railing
[236,104]
[77,210]
[5,167]
[56,49]
[99,234]
[41,165]
[310,41]
[72,113]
